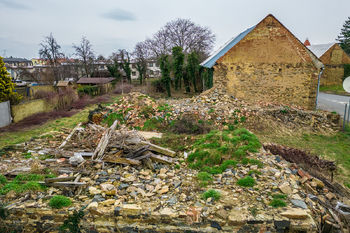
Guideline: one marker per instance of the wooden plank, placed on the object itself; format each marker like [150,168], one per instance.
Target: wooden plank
[63,184]
[102,145]
[59,179]
[123,161]
[161,159]
[159,149]
[69,136]
[146,155]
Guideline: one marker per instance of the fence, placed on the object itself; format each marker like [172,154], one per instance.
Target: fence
[28,108]
[346,115]
[5,114]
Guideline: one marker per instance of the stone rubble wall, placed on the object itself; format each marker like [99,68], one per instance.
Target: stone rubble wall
[332,75]
[136,220]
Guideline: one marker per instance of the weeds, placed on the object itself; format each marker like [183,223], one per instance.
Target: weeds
[277,203]
[253,211]
[218,150]
[3,211]
[3,179]
[204,179]
[72,224]
[211,193]
[246,182]
[59,201]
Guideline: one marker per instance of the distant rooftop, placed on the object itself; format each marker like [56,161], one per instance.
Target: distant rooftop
[95,80]
[15,59]
[320,49]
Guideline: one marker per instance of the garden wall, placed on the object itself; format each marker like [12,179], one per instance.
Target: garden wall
[26,109]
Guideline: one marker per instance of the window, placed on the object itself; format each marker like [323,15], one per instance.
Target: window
[133,73]
[150,64]
[133,66]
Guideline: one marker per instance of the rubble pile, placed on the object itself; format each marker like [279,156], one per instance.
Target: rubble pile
[128,189]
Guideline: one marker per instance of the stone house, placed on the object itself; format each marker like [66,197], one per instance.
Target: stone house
[267,63]
[334,58]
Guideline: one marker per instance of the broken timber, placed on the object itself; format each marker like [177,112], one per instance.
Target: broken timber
[159,149]
[120,160]
[63,184]
[69,136]
[59,179]
[102,145]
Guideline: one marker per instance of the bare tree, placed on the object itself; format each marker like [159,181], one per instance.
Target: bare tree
[86,55]
[182,33]
[51,51]
[140,56]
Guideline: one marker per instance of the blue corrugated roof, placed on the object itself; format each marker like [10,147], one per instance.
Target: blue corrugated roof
[210,61]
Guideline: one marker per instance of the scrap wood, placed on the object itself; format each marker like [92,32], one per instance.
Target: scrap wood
[102,145]
[69,136]
[59,179]
[161,159]
[159,149]
[138,152]
[120,160]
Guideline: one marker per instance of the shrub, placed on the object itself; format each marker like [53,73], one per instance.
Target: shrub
[73,222]
[59,201]
[89,90]
[126,88]
[189,124]
[346,70]
[246,182]
[277,203]
[66,97]
[158,85]
[215,195]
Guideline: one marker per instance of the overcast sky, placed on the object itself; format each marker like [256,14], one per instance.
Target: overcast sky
[114,24]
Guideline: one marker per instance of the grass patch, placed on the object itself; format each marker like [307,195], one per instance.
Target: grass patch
[279,196]
[3,179]
[59,201]
[277,203]
[334,89]
[218,150]
[11,138]
[174,142]
[254,172]
[246,182]
[215,195]
[23,183]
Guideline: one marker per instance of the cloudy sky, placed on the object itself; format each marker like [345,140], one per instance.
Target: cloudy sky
[114,24]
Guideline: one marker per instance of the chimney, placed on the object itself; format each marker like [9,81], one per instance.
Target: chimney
[307,42]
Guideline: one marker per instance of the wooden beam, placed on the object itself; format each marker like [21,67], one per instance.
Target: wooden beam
[162,159]
[63,184]
[59,179]
[69,136]
[122,161]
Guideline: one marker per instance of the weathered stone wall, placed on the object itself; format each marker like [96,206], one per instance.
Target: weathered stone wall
[333,60]
[131,220]
[269,65]
[332,75]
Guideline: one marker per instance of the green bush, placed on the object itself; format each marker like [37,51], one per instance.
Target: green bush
[246,182]
[59,201]
[215,195]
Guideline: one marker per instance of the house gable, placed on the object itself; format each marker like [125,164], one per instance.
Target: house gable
[270,42]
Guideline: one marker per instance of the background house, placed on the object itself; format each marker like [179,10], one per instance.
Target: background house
[267,63]
[334,58]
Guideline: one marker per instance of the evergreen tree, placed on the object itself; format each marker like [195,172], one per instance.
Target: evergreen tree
[165,69]
[178,61]
[193,68]
[6,86]
[344,37]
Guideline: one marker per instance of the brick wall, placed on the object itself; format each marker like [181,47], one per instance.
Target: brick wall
[269,65]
